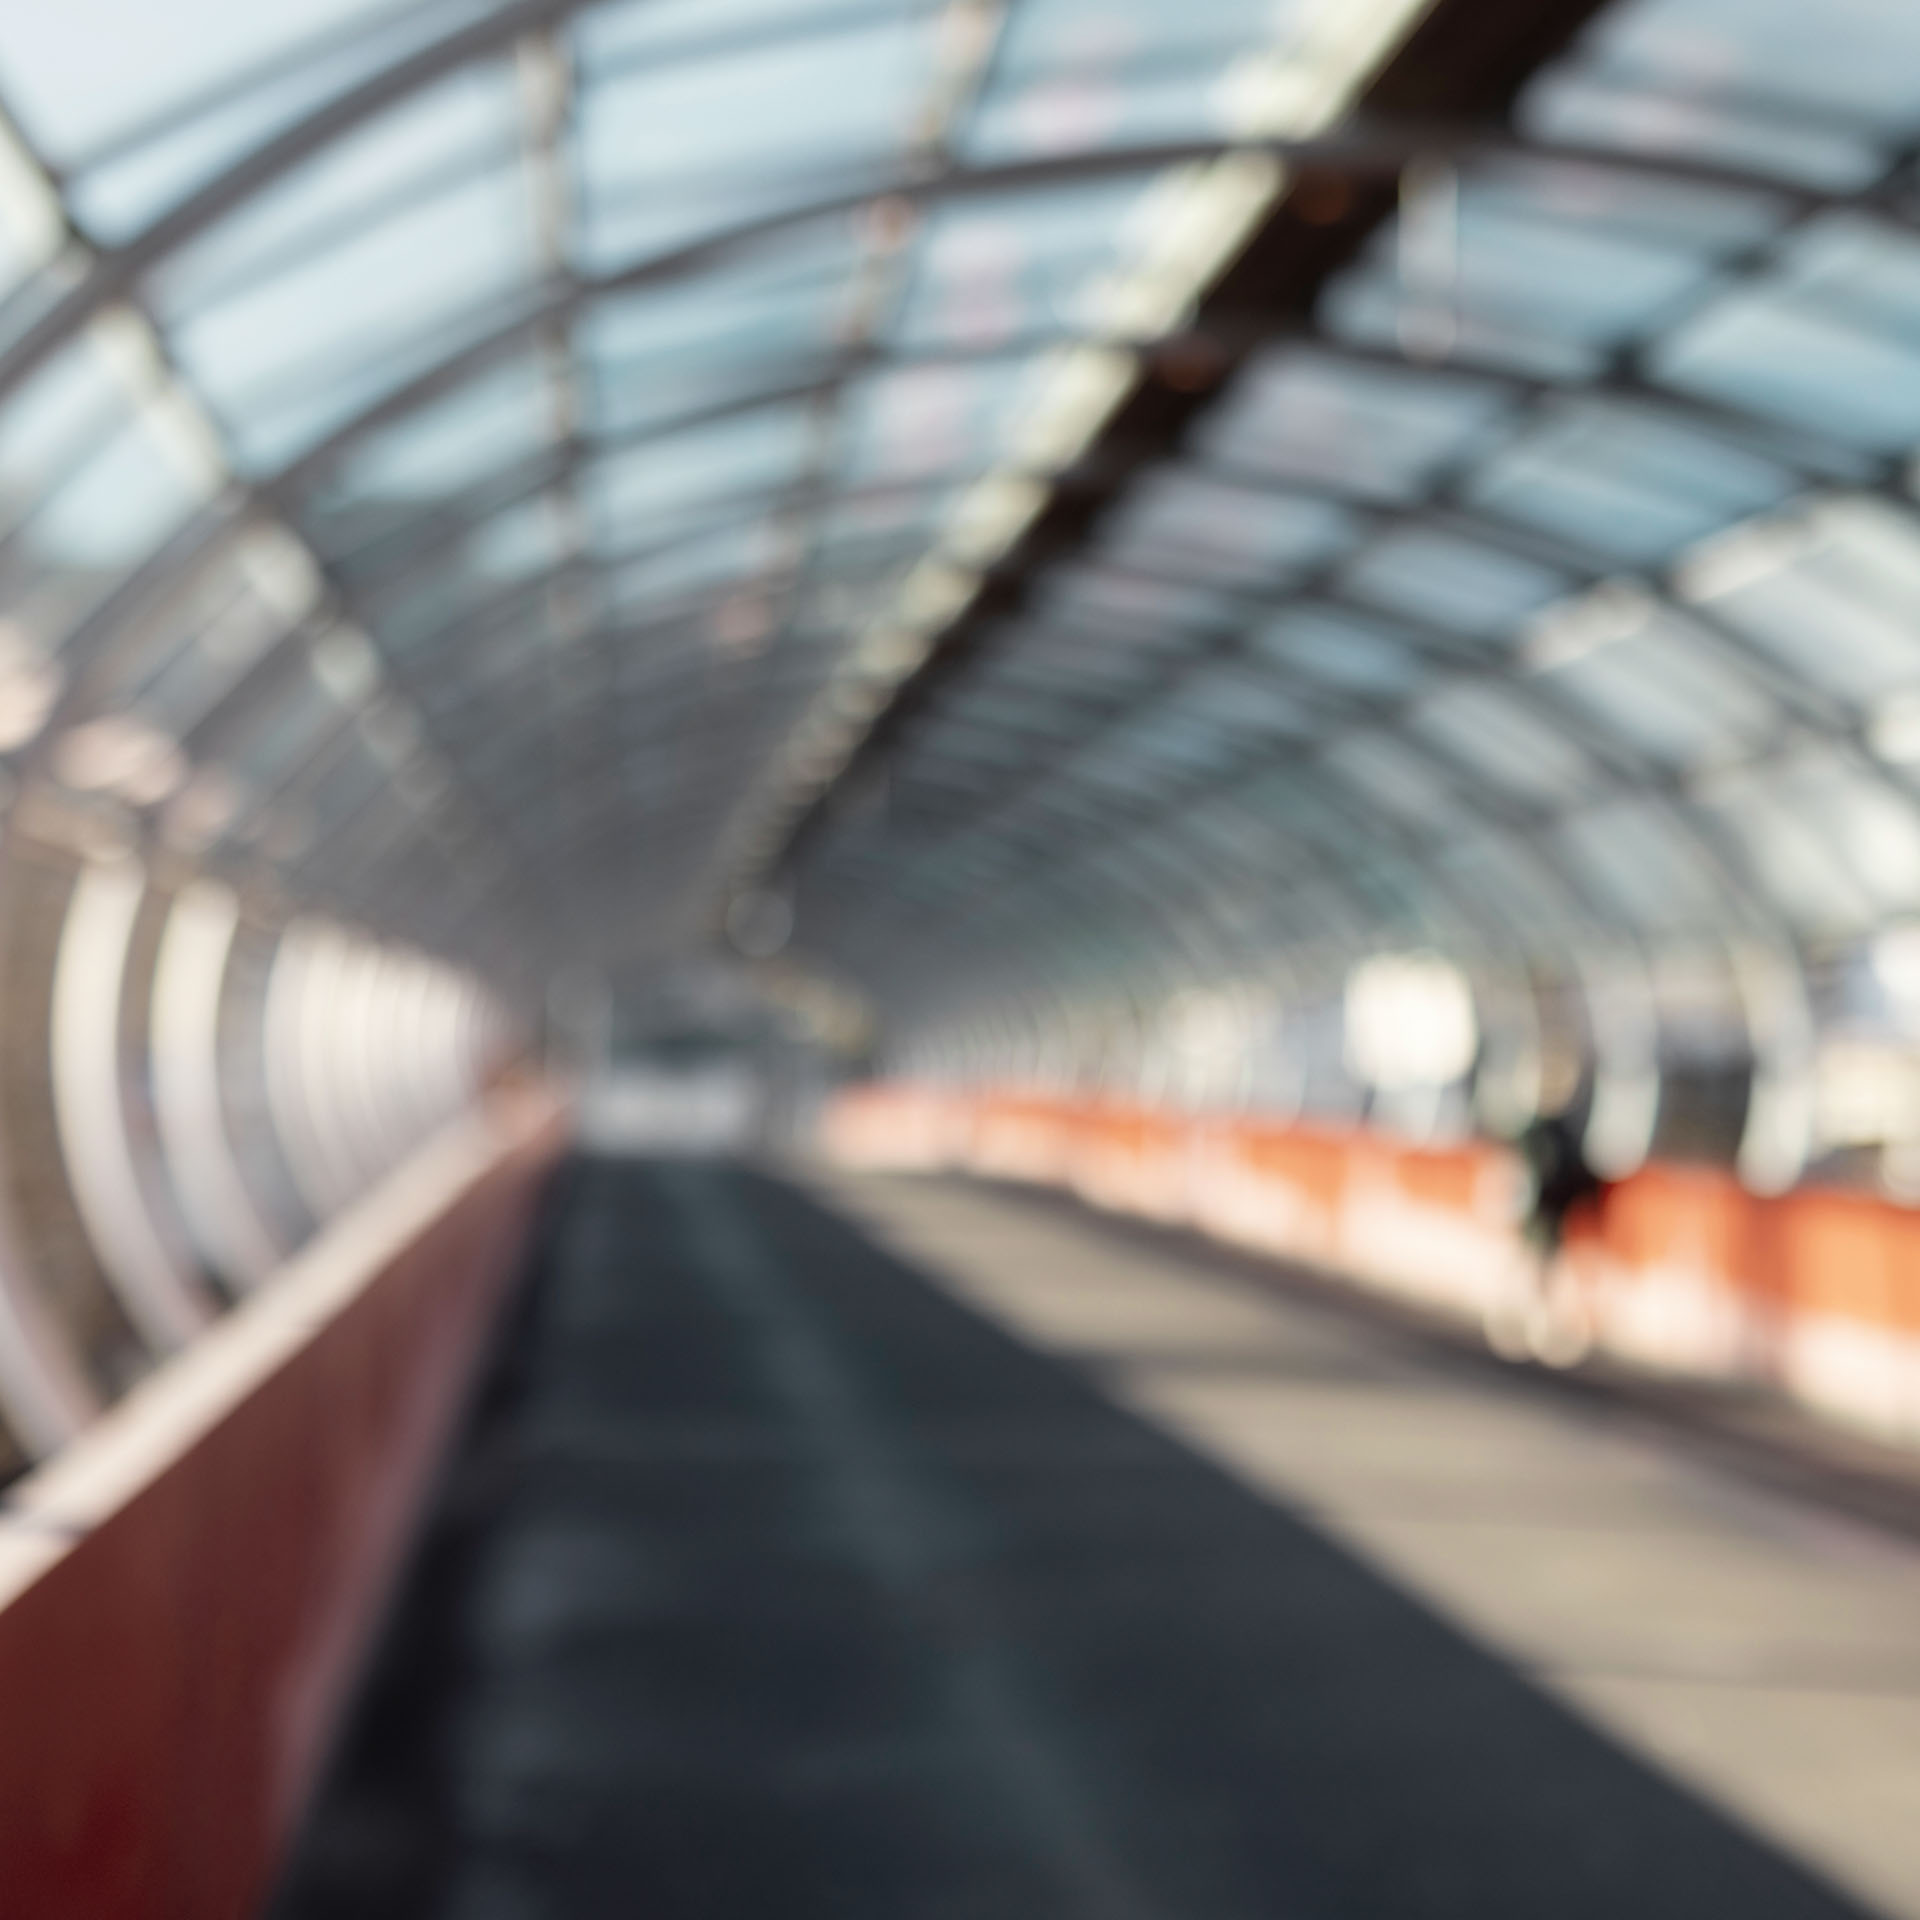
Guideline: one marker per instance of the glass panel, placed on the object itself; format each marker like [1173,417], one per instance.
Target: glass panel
[1661,691]
[351,780]
[1364,431]
[1761,351]
[1674,214]
[424,608]
[33,239]
[1487,730]
[1833,595]
[1510,875]
[1134,776]
[841,606]
[1070,669]
[58,420]
[672,149]
[1633,860]
[1385,772]
[1340,651]
[289,355]
[646,32]
[176,662]
[277,736]
[1443,581]
[1552,267]
[1131,609]
[1239,700]
[1189,525]
[698,521]
[1874,828]
[1854,266]
[1791,859]
[1373,310]
[657,352]
[1004,712]
[520,544]
[1769,84]
[624,228]
[1093,73]
[167,61]
[1581,112]
[755,452]
[401,162]
[737,553]
[930,420]
[1624,482]
[1008,266]
[866,524]
[359,511]
[954,739]
[1870,548]
[86,535]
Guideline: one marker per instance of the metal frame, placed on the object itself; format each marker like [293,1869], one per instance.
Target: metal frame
[162,1296]
[189,993]
[557,857]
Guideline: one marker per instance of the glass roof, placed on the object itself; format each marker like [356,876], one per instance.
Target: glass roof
[534,443]
[1572,551]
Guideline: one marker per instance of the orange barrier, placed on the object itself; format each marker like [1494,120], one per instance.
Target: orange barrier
[1815,1292]
[186,1593]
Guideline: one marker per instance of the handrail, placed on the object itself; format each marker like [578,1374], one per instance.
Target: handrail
[188,1588]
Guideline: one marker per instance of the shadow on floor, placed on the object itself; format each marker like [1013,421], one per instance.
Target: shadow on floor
[1747,1429]
[772,1582]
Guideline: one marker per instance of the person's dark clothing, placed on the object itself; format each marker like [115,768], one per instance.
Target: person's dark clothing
[1561,1178]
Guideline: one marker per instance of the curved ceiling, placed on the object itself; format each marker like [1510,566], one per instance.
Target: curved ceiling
[1054,486]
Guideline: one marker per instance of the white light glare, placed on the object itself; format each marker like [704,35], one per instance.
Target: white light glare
[1895,960]
[1613,611]
[1893,731]
[1409,1021]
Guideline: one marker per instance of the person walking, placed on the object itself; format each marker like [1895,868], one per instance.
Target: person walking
[1548,1319]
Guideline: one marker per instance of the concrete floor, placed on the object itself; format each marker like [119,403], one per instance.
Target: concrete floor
[1763,1650]
[908,1549]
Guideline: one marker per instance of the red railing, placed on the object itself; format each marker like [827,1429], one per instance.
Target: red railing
[186,1593]
[1816,1292]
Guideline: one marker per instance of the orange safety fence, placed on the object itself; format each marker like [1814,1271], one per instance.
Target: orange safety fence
[1815,1292]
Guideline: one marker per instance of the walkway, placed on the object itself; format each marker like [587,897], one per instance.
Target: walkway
[987,1562]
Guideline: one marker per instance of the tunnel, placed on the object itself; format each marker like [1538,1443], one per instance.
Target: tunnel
[959,958]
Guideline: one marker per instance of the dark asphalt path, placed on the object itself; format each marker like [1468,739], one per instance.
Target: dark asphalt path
[772,1584]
